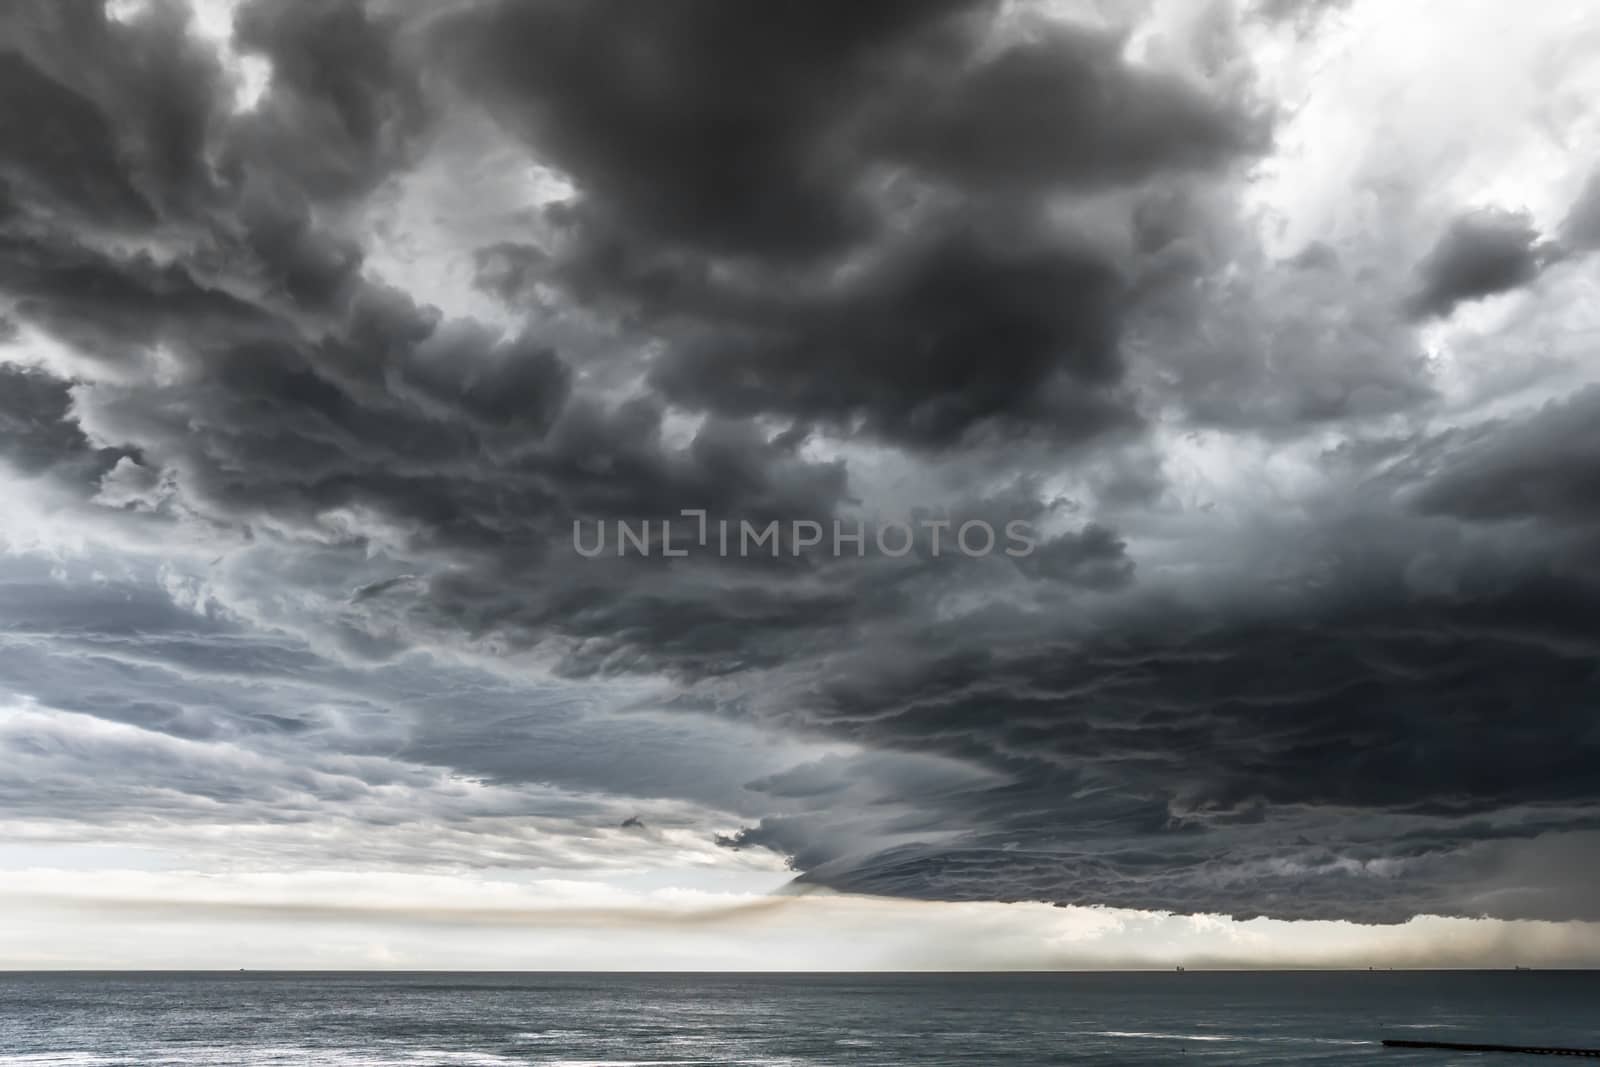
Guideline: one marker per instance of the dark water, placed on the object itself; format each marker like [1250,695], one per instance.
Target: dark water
[589,1020]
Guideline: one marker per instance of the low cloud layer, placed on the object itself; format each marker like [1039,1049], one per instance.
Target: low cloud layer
[325,324]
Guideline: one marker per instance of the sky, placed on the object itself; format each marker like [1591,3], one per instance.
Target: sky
[334,332]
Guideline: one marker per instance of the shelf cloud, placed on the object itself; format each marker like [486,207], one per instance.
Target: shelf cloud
[322,326]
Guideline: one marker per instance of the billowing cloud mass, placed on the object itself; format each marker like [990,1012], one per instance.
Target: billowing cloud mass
[331,331]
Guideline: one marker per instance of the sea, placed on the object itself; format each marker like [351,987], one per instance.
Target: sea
[654,1020]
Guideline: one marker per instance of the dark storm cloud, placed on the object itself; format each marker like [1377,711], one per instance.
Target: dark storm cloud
[36,434]
[1094,557]
[59,143]
[1481,253]
[1340,758]
[303,388]
[1545,466]
[983,325]
[114,117]
[828,243]
[1064,109]
[701,132]
[111,305]
[709,124]
[957,333]
[754,132]
[345,105]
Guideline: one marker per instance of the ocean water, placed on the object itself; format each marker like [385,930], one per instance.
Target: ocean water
[609,1020]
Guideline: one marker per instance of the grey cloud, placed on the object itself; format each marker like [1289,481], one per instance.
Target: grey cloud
[130,485]
[1243,341]
[1480,254]
[37,433]
[384,585]
[1304,15]
[1580,230]
[1094,557]
[517,385]
[1541,466]
[143,715]
[1064,108]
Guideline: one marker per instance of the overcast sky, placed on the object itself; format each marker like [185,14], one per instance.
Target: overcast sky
[324,323]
